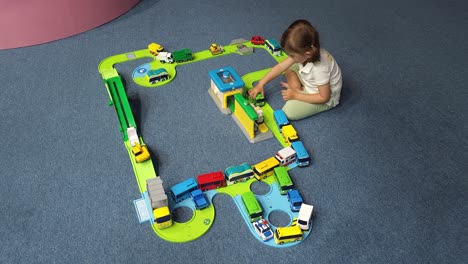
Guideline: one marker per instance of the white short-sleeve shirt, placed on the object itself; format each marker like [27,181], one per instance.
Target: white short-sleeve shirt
[319,73]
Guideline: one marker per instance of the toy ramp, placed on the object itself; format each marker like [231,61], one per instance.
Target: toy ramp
[27,23]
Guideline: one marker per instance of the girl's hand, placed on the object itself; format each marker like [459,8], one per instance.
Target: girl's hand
[285,85]
[288,93]
[256,90]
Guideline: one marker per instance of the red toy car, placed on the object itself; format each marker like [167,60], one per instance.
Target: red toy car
[257,40]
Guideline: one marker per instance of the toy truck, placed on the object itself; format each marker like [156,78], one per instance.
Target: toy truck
[199,199]
[159,204]
[164,57]
[182,55]
[155,48]
[216,49]
[141,153]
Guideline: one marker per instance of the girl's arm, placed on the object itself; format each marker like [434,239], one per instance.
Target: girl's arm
[275,71]
[320,98]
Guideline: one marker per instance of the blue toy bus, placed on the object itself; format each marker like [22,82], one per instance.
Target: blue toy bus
[182,190]
[273,46]
[280,119]
[303,158]
[154,76]
[241,173]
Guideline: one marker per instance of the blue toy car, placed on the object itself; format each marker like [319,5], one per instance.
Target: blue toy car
[295,200]
[199,199]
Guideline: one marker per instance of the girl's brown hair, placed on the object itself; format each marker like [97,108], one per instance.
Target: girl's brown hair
[302,37]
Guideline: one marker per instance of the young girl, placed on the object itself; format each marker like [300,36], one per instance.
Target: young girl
[313,78]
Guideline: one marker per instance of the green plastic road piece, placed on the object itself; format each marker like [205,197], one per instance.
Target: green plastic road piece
[200,223]
[202,219]
[125,104]
[107,74]
[252,77]
[121,104]
[112,86]
[143,170]
[109,62]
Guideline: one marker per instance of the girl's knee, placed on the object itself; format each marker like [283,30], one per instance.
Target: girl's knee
[292,114]
[296,110]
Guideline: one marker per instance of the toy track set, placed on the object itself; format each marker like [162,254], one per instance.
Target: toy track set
[255,118]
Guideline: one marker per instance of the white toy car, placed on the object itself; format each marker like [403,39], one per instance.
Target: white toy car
[262,228]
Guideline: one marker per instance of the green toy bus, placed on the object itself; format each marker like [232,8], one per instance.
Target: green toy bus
[254,210]
[284,181]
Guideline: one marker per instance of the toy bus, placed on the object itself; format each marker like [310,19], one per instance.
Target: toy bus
[273,46]
[211,181]
[265,168]
[287,234]
[303,158]
[289,134]
[154,76]
[241,173]
[253,208]
[283,179]
[280,119]
[162,217]
[182,190]
[286,156]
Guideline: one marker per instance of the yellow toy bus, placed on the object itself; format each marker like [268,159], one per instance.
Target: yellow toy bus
[289,134]
[287,234]
[265,168]
[162,217]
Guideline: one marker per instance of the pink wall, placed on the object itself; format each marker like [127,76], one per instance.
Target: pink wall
[31,22]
